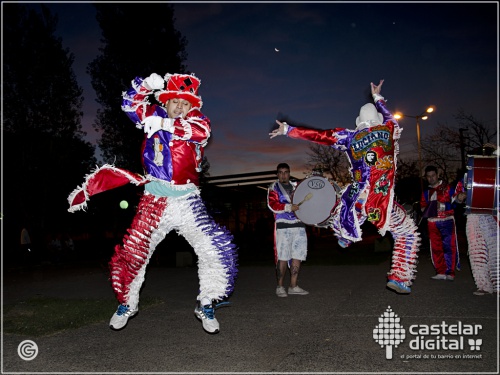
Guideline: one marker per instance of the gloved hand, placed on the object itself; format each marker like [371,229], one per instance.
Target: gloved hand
[154,123]
[154,82]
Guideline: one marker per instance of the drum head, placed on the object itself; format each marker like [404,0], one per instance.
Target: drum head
[323,198]
[482,184]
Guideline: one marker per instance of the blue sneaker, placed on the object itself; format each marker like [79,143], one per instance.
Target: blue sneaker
[120,317]
[206,314]
[398,287]
[344,243]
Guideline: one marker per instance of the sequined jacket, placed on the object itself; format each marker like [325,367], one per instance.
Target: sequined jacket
[371,195]
[171,157]
[280,203]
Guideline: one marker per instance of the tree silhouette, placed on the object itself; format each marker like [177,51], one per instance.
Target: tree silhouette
[442,147]
[138,39]
[45,155]
[331,161]
[389,332]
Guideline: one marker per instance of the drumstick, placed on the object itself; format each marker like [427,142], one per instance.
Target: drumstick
[306,198]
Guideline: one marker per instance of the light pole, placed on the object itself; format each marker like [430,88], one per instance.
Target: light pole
[422,116]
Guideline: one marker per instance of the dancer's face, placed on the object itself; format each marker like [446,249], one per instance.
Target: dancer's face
[432,178]
[284,175]
[177,107]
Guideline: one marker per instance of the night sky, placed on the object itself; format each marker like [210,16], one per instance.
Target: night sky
[441,54]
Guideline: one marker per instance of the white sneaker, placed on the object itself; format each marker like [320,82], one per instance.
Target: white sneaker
[450,277]
[480,292]
[207,316]
[281,291]
[121,316]
[297,290]
[439,276]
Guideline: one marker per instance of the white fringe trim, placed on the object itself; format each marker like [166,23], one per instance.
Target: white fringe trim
[83,188]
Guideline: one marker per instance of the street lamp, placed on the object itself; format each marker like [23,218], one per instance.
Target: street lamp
[422,116]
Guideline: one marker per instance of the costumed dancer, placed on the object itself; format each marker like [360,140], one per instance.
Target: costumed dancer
[437,203]
[176,133]
[482,237]
[372,149]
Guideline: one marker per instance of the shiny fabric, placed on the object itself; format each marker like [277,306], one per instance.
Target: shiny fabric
[372,151]
[482,238]
[438,203]
[279,202]
[102,179]
[444,246]
[175,157]
[172,161]
[406,237]
[187,215]
[440,197]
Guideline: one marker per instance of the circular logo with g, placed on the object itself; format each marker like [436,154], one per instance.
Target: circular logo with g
[27,350]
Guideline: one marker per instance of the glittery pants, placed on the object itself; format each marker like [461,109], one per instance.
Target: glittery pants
[482,238]
[155,218]
[444,247]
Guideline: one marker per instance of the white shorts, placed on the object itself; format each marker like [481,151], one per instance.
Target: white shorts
[291,243]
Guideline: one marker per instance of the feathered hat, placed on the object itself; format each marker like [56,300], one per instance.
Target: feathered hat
[184,86]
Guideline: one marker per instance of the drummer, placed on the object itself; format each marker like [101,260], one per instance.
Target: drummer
[290,246]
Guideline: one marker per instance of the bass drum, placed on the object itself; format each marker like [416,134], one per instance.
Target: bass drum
[317,198]
[482,185]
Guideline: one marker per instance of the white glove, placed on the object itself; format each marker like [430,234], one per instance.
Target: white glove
[154,82]
[154,123]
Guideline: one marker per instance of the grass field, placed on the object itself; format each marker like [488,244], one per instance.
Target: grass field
[45,316]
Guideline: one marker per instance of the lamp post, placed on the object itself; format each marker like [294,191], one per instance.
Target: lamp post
[422,116]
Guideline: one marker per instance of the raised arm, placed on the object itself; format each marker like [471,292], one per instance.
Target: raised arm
[377,89]
[330,137]
[195,127]
[380,103]
[136,104]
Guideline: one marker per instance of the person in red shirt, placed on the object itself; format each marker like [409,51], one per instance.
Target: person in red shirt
[175,132]
[436,203]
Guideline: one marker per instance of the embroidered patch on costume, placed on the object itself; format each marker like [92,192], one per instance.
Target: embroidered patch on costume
[371,158]
[373,214]
[386,163]
[158,149]
[369,138]
[382,185]
[357,175]
[354,190]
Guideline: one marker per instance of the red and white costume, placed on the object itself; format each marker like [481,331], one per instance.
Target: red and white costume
[482,236]
[171,156]
[437,202]
[482,232]
[372,150]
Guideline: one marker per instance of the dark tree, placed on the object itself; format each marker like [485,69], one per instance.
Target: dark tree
[45,155]
[138,39]
[330,161]
[447,146]
[407,186]
[477,133]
